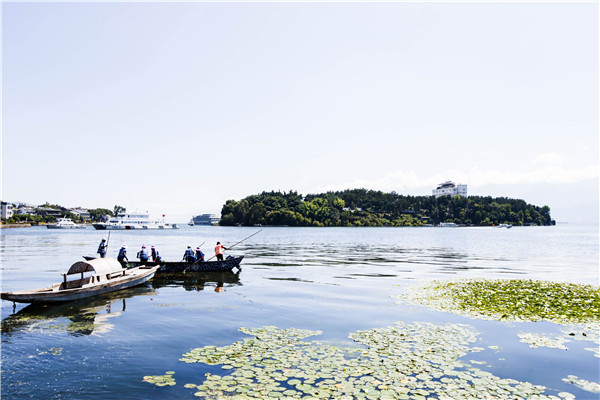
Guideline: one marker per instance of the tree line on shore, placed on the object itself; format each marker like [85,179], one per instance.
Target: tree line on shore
[362,207]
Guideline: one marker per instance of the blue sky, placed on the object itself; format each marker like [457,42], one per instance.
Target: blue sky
[175,108]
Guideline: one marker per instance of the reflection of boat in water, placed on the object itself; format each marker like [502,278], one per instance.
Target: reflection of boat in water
[133,221]
[84,317]
[197,280]
[106,275]
[65,223]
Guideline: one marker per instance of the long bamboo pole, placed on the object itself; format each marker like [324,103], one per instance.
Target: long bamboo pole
[230,247]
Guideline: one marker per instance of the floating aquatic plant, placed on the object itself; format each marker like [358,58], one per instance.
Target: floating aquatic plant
[405,361]
[55,351]
[511,299]
[161,380]
[588,386]
[540,340]
[585,332]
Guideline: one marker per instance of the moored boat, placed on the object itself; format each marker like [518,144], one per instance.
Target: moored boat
[448,225]
[205,219]
[65,223]
[104,275]
[134,221]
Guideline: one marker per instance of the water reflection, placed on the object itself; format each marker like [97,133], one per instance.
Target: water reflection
[394,260]
[197,280]
[80,317]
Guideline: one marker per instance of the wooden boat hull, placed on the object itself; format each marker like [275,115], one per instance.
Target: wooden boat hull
[52,294]
[182,266]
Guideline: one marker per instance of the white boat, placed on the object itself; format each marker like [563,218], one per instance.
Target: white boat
[134,221]
[65,223]
[105,275]
[448,225]
[205,219]
[507,226]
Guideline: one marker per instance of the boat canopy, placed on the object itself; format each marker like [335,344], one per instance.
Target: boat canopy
[97,265]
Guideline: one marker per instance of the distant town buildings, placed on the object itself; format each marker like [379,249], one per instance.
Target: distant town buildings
[80,212]
[10,209]
[449,188]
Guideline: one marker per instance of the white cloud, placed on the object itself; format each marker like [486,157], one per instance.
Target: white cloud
[549,159]
[406,181]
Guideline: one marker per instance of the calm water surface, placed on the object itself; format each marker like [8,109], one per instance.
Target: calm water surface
[338,280]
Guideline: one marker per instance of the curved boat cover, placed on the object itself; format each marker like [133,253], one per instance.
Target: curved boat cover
[97,265]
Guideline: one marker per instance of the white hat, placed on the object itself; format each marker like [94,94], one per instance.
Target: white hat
[124,246]
[143,246]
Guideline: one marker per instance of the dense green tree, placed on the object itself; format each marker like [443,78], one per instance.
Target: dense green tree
[96,214]
[362,207]
[118,209]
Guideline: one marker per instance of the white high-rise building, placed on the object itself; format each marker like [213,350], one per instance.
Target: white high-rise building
[6,210]
[449,188]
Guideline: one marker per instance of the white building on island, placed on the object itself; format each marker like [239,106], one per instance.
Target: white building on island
[449,188]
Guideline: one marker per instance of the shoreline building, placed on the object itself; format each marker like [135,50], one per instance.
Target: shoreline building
[7,210]
[449,188]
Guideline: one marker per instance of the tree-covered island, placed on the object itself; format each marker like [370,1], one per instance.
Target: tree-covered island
[361,207]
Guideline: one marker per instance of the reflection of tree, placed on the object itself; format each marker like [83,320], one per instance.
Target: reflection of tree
[196,280]
[85,317]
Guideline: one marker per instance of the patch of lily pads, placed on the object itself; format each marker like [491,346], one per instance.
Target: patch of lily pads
[592,387]
[511,299]
[585,332]
[55,351]
[541,340]
[161,380]
[405,361]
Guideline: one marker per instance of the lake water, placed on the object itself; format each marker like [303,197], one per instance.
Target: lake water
[337,280]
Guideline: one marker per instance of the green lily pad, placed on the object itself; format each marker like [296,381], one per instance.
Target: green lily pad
[511,299]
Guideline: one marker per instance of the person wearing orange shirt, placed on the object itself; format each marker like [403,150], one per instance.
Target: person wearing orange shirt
[219,250]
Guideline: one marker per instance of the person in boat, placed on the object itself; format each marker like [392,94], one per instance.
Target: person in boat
[199,255]
[122,257]
[189,255]
[143,255]
[102,248]
[219,250]
[154,254]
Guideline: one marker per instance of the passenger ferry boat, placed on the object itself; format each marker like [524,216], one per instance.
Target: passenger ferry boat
[448,225]
[205,219]
[133,221]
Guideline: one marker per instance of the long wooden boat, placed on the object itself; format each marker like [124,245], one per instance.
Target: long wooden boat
[183,266]
[106,275]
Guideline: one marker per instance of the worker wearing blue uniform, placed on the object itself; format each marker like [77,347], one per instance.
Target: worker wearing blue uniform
[199,255]
[122,257]
[154,254]
[143,255]
[102,248]
[189,255]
